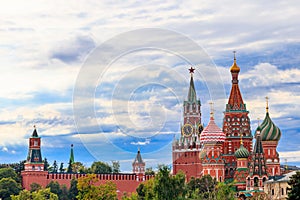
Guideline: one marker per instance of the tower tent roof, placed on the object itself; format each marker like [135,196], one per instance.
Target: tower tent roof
[34,133]
[258,160]
[192,96]
[71,161]
[138,158]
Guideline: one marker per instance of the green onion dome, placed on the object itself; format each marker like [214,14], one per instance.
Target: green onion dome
[268,130]
[242,152]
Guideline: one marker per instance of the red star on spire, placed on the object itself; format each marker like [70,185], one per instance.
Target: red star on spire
[192,70]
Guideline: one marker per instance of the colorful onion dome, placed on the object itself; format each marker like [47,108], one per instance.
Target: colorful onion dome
[242,152]
[268,130]
[212,133]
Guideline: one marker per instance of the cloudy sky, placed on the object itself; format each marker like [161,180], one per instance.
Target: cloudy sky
[111,77]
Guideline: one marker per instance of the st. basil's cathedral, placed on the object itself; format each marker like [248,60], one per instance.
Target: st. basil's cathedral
[225,154]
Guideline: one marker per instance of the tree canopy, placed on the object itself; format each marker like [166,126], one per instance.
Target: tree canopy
[294,191]
[99,167]
[8,186]
[89,189]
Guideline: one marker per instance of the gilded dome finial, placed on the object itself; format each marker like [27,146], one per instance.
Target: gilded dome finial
[211,109]
[267,104]
[234,58]
[234,67]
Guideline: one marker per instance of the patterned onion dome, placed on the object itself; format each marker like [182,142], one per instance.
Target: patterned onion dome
[242,152]
[212,133]
[268,130]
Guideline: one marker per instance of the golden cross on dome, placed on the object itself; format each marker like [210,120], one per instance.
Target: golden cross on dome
[234,52]
[267,102]
[211,109]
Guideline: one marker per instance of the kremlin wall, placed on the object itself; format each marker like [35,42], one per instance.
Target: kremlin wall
[226,153]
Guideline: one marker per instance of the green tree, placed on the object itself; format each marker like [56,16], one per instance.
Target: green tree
[146,190]
[9,173]
[73,191]
[42,194]
[8,186]
[99,167]
[46,164]
[23,195]
[168,187]
[115,167]
[78,167]
[225,191]
[107,191]
[149,171]
[35,187]
[201,186]
[54,188]
[294,191]
[61,168]
[88,189]
[64,193]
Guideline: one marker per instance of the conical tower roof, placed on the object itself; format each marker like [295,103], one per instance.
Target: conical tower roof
[34,133]
[138,159]
[71,161]
[192,96]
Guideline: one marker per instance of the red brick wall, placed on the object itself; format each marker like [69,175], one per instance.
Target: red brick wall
[124,182]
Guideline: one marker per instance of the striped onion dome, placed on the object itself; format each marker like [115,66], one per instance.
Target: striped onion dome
[242,152]
[268,130]
[212,133]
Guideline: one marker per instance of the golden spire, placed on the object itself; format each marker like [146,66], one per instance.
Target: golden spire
[267,104]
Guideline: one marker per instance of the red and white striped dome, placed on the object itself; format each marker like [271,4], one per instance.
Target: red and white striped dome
[212,133]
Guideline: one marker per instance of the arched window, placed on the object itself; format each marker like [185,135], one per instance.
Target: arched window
[256,182]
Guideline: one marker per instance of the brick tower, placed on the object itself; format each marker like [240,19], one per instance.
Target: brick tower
[186,150]
[270,136]
[138,166]
[34,165]
[235,123]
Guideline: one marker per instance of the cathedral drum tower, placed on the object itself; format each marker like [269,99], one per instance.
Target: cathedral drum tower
[270,136]
[235,123]
[186,150]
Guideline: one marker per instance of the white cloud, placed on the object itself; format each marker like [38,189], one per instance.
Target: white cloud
[141,143]
[290,156]
[265,74]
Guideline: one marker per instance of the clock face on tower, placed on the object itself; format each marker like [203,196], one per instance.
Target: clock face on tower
[187,130]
